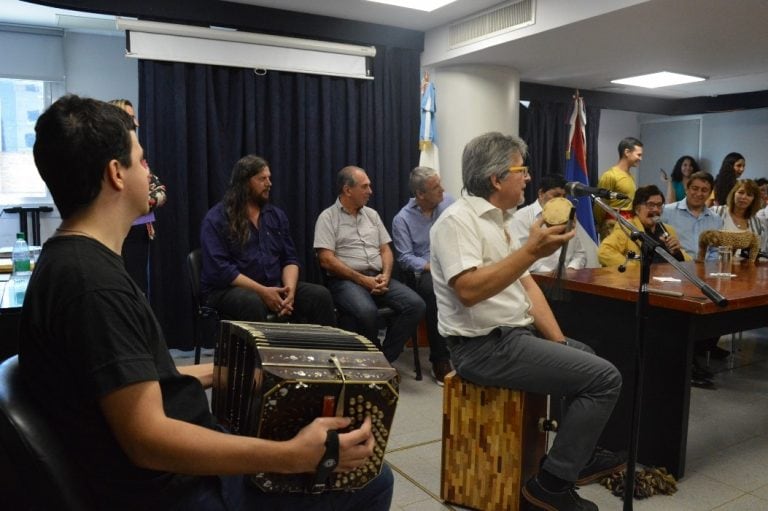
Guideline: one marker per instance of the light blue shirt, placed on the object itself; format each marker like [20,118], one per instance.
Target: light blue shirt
[410,234]
[690,227]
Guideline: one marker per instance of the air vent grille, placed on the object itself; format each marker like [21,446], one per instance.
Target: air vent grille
[508,17]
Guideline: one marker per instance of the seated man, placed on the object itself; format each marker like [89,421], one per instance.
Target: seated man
[500,329]
[410,233]
[691,216]
[250,268]
[647,206]
[353,249]
[92,353]
[551,186]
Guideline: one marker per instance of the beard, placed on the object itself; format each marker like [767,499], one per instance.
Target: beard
[259,199]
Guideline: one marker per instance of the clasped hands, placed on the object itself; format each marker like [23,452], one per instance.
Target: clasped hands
[376,285]
[279,300]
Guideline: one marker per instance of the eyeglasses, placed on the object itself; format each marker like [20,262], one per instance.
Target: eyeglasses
[524,170]
[654,204]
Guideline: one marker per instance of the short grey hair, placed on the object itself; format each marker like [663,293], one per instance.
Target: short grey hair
[346,177]
[419,178]
[488,155]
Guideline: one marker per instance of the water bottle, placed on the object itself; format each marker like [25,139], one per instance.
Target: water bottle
[22,268]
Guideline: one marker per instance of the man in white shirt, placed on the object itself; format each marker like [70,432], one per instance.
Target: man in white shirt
[551,186]
[499,327]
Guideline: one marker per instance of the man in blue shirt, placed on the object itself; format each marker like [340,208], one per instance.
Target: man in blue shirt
[410,234]
[690,216]
[250,268]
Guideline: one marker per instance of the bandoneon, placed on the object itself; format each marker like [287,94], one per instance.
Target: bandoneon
[272,379]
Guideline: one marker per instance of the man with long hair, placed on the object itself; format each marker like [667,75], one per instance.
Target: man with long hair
[250,268]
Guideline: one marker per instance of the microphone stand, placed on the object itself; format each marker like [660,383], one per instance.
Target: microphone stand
[649,246]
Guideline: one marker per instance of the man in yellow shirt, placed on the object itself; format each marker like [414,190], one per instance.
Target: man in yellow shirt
[619,179]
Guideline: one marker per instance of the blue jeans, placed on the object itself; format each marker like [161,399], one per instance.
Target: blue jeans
[355,301]
[235,493]
[515,358]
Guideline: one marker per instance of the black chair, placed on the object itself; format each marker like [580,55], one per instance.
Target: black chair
[38,472]
[202,313]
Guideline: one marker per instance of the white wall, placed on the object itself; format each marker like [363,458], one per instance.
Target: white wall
[472,100]
[614,126]
[95,66]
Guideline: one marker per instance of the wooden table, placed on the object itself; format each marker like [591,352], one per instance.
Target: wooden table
[598,307]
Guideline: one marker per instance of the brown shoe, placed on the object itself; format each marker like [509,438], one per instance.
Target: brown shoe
[440,370]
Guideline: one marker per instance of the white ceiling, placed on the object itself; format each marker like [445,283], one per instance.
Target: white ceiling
[723,40]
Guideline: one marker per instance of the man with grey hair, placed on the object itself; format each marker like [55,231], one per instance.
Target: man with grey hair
[499,327]
[410,233]
[352,247]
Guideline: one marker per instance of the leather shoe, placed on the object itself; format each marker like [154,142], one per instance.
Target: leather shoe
[699,373]
[566,500]
[702,383]
[602,464]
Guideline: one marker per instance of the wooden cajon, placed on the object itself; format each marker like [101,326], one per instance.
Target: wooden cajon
[491,444]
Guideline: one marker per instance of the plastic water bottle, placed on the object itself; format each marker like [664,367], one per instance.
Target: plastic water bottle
[22,268]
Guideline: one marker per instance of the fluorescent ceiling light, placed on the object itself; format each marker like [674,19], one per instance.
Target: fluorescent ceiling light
[661,79]
[419,5]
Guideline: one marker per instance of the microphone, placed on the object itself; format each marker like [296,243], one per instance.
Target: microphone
[576,189]
[664,232]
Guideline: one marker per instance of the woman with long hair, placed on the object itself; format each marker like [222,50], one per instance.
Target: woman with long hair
[731,169]
[739,213]
[684,167]
[136,246]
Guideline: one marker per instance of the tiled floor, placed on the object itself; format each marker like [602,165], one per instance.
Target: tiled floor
[727,466]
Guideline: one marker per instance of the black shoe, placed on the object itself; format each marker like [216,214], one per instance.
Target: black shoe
[719,353]
[702,383]
[566,500]
[699,373]
[602,464]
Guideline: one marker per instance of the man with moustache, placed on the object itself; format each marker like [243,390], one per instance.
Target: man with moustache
[691,216]
[353,249]
[250,268]
[499,327]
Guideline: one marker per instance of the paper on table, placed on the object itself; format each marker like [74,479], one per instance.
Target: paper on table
[666,279]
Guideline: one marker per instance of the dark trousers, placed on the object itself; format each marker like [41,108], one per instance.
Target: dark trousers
[516,358]
[313,304]
[234,493]
[357,302]
[438,350]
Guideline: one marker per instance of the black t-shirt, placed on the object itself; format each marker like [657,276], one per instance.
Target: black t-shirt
[87,330]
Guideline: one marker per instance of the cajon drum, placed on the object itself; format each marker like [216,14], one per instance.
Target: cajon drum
[491,444]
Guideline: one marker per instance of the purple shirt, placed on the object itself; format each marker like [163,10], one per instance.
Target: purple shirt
[268,249]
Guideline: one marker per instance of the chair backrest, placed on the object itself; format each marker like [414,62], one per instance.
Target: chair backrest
[48,477]
[194,264]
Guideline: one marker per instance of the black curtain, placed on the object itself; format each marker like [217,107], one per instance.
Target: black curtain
[198,120]
[544,126]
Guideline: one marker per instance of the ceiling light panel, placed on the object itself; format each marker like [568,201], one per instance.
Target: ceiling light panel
[420,5]
[660,79]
